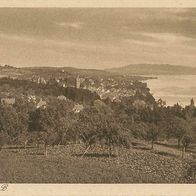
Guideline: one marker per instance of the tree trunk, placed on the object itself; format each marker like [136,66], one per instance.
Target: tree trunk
[178,143]
[183,152]
[25,143]
[117,155]
[152,145]
[132,119]
[45,150]
[86,151]
[110,151]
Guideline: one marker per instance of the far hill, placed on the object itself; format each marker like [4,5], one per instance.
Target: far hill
[66,70]
[72,72]
[58,72]
[153,69]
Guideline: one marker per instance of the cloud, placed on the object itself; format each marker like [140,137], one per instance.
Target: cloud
[159,39]
[139,42]
[167,37]
[17,38]
[175,21]
[74,25]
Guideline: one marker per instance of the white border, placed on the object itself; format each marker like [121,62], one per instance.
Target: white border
[97,3]
[99,189]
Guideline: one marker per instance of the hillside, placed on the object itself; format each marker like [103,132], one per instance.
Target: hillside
[65,71]
[65,164]
[58,72]
[153,69]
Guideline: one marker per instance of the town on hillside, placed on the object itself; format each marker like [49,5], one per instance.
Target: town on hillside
[52,112]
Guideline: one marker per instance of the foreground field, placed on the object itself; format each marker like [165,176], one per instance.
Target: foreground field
[65,165]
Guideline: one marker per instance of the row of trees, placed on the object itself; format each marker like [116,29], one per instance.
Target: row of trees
[101,122]
[96,124]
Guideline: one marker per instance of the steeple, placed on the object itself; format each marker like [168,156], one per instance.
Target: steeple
[192,103]
[78,81]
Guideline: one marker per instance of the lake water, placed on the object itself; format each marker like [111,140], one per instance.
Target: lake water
[174,88]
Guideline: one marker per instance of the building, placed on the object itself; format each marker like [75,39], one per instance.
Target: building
[41,104]
[41,81]
[77,82]
[192,104]
[78,108]
[8,101]
[139,104]
[62,98]
[38,80]
[31,98]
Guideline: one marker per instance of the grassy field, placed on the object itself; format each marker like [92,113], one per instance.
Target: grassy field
[65,164]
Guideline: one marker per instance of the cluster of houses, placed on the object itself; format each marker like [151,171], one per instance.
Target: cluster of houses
[105,87]
[111,88]
[39,102]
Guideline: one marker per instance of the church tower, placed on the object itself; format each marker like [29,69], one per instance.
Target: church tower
[77,81]
[192,103]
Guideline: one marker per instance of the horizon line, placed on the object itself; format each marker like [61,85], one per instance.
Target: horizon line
[123,66]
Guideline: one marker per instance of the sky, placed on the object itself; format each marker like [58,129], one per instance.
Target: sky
[97,37]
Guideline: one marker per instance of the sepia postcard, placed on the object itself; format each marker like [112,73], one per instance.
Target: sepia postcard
[97,98]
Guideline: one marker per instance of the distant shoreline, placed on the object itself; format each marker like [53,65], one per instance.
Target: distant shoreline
[174,88]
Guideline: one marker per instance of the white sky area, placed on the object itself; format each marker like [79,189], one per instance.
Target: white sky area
[97,37]
[96,3]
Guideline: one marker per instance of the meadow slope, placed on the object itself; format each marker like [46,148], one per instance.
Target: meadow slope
[65,165]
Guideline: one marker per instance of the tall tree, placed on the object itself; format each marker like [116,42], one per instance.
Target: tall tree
[186,141]
[176,128]
[11,123]
[99,128]
[54,120]
[152,134]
